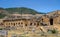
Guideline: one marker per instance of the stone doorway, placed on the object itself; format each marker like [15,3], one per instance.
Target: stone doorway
[51,21]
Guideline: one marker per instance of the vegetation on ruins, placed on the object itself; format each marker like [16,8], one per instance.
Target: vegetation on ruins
[53,31]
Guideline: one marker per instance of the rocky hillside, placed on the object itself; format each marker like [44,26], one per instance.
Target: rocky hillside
[22,10]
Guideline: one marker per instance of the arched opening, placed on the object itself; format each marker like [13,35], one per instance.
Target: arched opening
[51,21]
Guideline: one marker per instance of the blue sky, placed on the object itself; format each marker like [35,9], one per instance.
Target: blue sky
[38,5]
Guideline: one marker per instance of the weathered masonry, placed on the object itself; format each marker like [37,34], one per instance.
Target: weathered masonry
[25,20]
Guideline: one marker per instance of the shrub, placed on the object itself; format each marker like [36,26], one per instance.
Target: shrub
[53,31]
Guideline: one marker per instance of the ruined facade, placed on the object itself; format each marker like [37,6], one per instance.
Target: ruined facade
[34,20]
[21,23]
